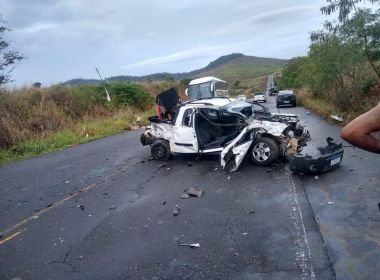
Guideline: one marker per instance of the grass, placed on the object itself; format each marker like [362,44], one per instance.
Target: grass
[84,131]
[326,108]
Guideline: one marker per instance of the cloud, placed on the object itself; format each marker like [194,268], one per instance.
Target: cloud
[181,56]
[284,14]
[39,27]
[64,38]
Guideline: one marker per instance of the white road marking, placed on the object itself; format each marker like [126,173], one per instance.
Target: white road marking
[303,254]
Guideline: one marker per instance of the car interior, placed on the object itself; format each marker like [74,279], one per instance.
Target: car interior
[215,128]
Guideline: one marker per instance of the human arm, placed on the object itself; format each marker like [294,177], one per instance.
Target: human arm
[358,131]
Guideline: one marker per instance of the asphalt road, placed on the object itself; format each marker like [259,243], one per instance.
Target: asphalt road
[103,210]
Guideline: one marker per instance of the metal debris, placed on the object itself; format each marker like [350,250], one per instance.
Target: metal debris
[197,192]
[184,196]
[81,207]
[191,245]
[316,177]
[176,211]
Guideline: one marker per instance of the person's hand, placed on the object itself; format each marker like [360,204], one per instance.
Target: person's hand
[361,131]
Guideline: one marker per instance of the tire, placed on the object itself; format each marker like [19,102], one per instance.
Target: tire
[160,150]
[278,106]
[264,151]
[294,104]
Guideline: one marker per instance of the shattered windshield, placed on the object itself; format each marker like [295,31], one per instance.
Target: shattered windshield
[199,91]
[236,106]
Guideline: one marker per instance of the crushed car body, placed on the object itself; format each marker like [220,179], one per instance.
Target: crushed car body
[219,125]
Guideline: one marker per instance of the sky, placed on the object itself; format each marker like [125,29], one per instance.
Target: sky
[65,39]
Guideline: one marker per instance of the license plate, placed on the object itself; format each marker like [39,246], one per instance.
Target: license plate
[286,101]
[334,161]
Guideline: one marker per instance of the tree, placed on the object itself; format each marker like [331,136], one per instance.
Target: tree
[343,7]
[8,58]
[362,26]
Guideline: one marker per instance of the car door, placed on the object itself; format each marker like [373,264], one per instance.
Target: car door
[185,138]
[233,154]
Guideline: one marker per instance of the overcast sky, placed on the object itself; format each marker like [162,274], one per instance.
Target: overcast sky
[65,39]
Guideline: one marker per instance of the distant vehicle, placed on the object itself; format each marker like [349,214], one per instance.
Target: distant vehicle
[207,87]
[260,97]
[242,97]
[286,97]
[273,91]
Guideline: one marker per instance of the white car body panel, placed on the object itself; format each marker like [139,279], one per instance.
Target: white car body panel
[274,128]
[214,101]
[238,151]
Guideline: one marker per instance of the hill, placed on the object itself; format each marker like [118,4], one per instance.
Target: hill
[242,70]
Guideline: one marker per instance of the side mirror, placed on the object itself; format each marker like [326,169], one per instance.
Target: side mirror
[186,92]
[212,87]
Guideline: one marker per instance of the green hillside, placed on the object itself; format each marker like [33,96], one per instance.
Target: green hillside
[247,73]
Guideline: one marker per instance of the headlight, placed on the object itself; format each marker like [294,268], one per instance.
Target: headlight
[291,134]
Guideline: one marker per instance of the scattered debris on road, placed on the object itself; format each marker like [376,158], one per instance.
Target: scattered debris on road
[316,177]
[251,212]
[337,118]
[195,192]
[191,245]
[176,211]
[81,207]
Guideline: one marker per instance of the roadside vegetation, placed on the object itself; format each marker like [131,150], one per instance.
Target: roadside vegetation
[34,121]
[341,73]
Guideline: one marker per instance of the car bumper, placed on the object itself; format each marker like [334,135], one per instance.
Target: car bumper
[317,159]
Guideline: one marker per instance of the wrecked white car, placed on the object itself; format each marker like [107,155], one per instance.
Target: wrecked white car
[201,127]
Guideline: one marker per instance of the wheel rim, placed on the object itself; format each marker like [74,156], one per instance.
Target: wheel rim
[261,152]
[159,151]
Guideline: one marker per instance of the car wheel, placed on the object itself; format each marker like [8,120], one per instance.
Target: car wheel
[160,150]
[264,151]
